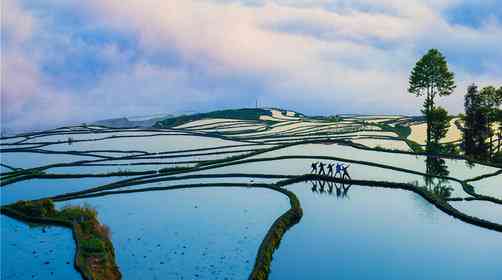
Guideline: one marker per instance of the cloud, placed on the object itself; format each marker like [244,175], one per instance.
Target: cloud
[143,57]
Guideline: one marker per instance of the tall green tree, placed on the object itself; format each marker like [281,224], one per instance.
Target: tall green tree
[440,123]
[476,129]
[491,100]
[430,77]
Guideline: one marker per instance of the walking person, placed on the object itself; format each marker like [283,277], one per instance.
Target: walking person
[338,169]
[330,169]
[314,167]
[321,168]
[345,172]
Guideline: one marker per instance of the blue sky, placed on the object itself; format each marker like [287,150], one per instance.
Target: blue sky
[68,61]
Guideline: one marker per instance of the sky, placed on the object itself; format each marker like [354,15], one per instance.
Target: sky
[73,61]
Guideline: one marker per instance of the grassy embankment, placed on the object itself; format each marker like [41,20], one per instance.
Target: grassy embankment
[241,114]
[403,132]
[274,236]
[95,256]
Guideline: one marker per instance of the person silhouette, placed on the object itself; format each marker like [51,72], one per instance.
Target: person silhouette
[314,167]
[321,168]
[345,172]
[338,168]
[330,169]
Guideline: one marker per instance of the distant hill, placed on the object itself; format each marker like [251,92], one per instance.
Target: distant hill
[251,114]
[131,122]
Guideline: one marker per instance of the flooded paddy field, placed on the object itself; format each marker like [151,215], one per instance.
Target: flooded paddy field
[213,198]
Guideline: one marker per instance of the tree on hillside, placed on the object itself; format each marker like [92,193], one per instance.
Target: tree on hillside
[440,122]
[491,100]
[431,77]
[436,166]
[476,125]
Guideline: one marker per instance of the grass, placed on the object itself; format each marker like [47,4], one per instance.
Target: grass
[241,114]
[403,132]
[95,258]
[222,160]
[174,169]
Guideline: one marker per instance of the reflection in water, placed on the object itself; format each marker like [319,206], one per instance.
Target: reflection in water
[330,188]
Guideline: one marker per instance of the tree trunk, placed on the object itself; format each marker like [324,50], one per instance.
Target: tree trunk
[498,146]
[491,145]
[428,109]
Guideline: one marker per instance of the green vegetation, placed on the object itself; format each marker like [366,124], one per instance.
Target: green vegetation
[476,125]
[20,175]
[482,110]
[431,77]
[95,258]
[440,123]
[274,236]
[402,131]
[241,114]
[95,252]
[174,169]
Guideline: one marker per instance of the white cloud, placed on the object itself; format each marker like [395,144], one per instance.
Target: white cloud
[316,56]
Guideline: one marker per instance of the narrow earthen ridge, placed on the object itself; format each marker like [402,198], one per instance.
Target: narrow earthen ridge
[94,254]
[274,236]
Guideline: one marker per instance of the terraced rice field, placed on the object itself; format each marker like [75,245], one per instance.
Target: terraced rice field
[212,198]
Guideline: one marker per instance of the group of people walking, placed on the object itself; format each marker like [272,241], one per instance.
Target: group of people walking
[340,169]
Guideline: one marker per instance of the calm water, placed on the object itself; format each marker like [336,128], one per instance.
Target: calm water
[41,188]
[382,234]
[188,234]
[214,233]
[482,209]
[457,168]
[491,186]
[357,171]
[30,160]
[148,144]
[36,253]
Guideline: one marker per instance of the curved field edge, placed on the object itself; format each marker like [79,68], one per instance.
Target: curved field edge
[291,217]
[94,254]
[273,237]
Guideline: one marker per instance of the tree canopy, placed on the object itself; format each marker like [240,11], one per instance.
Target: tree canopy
[431,76]
[476,125]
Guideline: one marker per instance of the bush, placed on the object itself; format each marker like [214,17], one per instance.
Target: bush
[92,245]
[78,213]
[37,208]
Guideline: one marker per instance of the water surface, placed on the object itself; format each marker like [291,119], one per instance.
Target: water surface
[382,234]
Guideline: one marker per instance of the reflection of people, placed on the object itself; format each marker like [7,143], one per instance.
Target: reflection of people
[314,167]
[346,189]
[314,186]
[338,190]
[330,187]
[322,184]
